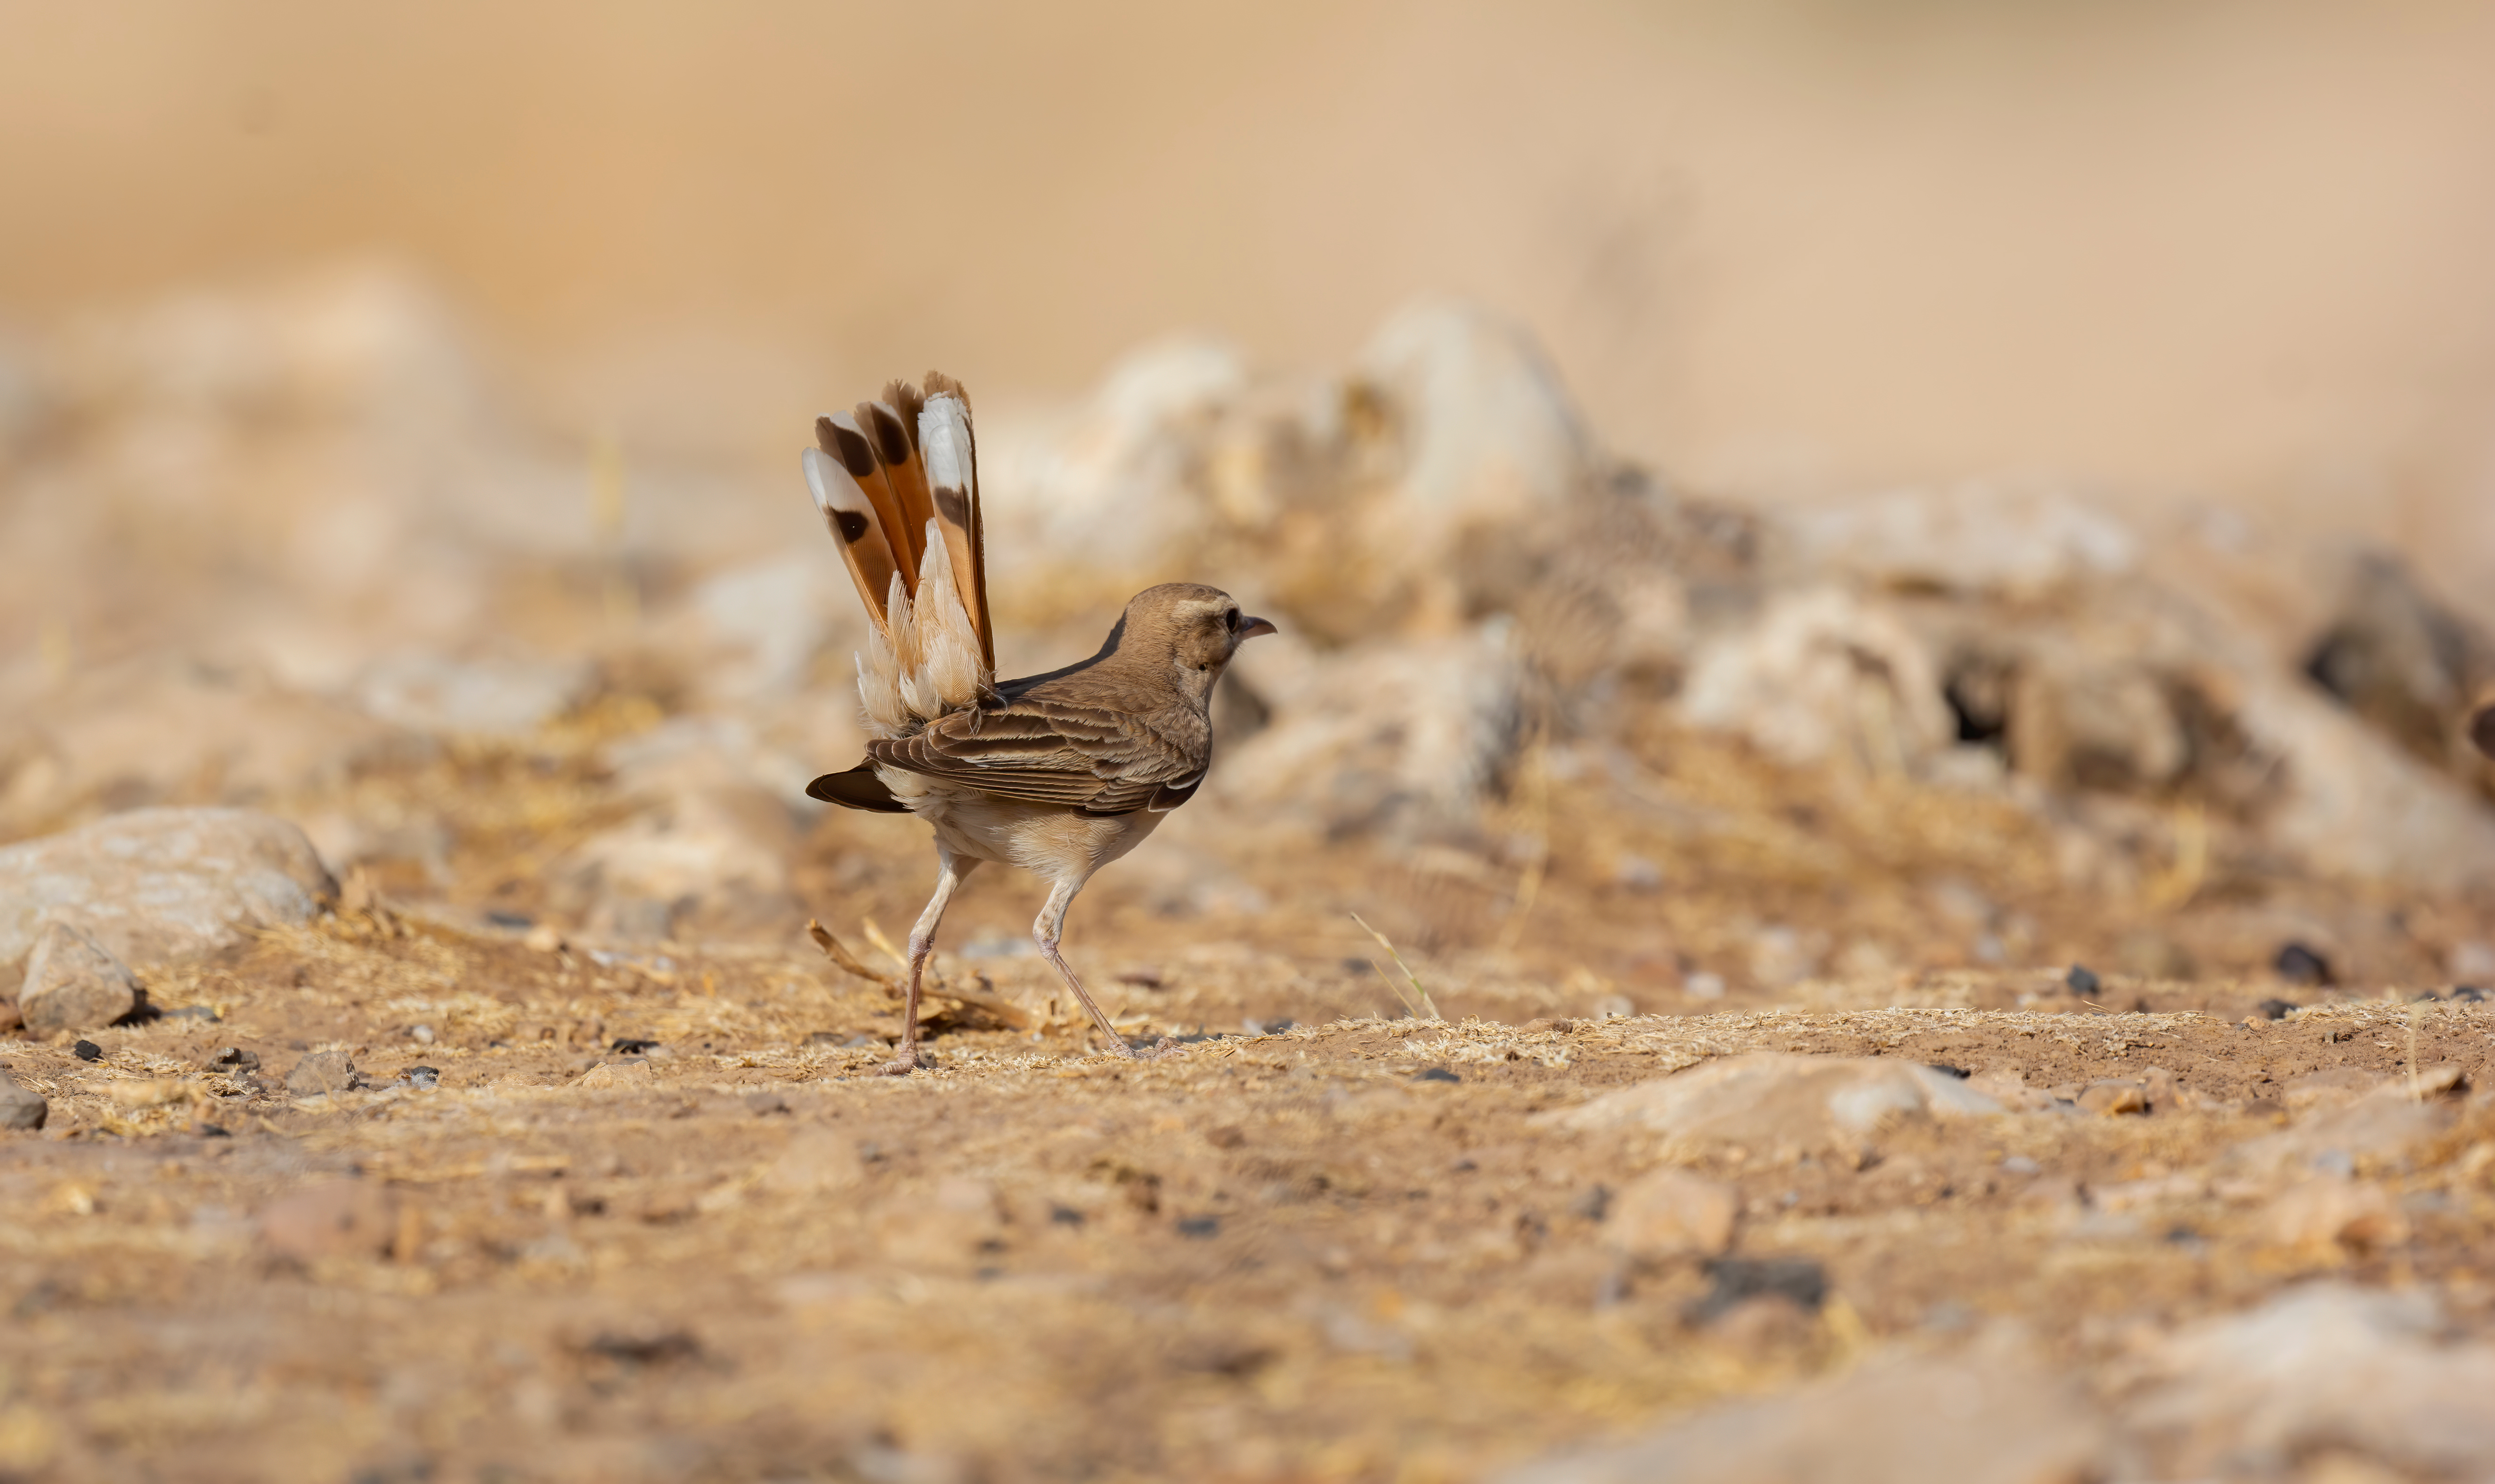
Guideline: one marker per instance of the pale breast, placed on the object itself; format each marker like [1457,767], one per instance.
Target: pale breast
[1049,842]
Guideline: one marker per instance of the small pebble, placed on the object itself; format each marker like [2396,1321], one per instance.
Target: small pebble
[2276,1009]
[2020,1164]
[422,1036]
[764,1105]
[1437,1074]
[206,1012]
[632,1045]
[232,1058]
[2083,981]
[424,1078]
[2468,994]
[1200,1228]
[87,1051]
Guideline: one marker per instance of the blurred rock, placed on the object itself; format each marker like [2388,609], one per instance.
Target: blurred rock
[760,625]
[1986,1416]
[2247,1395]
[135,734]
[617,1073]
[71,983]
[484,698]
[816,1162]
[1405,737]
[2333,1088]
[1671,1212]
[1821,675]
[338,1218]
[20,1110]
[2408,665]
[1773,1101]
[708,850]
[324,1073]
[2328,1217]
[2378,1130]
[1970,537]
[2114,1096]
[158,885]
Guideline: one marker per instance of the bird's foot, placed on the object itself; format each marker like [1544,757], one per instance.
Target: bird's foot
[910,1059]
[1161,1050]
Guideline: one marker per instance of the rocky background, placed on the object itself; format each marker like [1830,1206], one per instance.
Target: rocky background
[1691,962]
[2069,938]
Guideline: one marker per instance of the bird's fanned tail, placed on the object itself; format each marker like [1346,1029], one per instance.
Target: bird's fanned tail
[897,482]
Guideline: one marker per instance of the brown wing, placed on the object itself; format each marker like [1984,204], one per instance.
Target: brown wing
[1037,750]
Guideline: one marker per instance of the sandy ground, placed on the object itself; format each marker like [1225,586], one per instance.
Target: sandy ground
[657,1218]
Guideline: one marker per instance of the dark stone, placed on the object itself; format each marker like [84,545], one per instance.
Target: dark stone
[1946,1071]
[87,1051]
[2468,994]
[1437,1074]
[231,1059]
[2083,981]
[1200,1228]
[663,1349]
[2299,964]
[2276,1009]
[1064,1216]
[633,1045]
[1593,1205]
[504,919]
[1735,1280]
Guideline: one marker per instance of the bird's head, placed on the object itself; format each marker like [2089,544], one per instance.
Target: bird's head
[1201,627]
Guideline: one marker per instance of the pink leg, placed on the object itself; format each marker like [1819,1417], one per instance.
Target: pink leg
[1044,931]
[922,943]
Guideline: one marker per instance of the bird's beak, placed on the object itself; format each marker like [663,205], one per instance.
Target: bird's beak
[1249,628]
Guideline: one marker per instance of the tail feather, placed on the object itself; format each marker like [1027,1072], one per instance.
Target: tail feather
[903,470]
[898,482]
[853,523]
[952,474]
[841,436]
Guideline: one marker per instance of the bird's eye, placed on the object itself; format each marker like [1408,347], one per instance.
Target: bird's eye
[1230,619]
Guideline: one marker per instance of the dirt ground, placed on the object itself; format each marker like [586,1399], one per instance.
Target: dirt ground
[652,1217]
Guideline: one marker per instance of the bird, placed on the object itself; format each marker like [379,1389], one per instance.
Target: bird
[1057,774]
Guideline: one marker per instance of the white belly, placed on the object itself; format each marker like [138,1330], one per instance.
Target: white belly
[1052,842]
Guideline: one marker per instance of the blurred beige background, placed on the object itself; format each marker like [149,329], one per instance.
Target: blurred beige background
[2205,249]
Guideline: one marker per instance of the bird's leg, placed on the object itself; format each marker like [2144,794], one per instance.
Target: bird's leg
[1044,931]
[922,943]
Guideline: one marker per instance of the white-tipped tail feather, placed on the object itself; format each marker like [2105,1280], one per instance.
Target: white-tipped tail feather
[905,514]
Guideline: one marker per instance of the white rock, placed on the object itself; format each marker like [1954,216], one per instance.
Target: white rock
[1402,734]
[156,884]
[1822,673]
[2325,1366]
[1968,538]
[1990,1416]
[71,983]
[1485,429]
[485,697]
[1671,1212]
[1768,1100]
